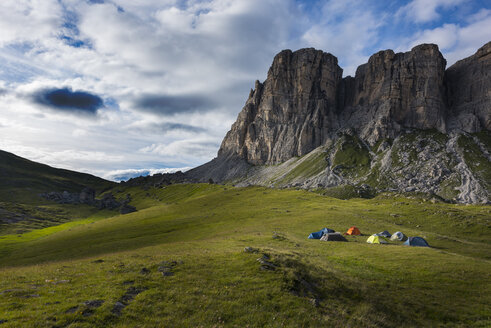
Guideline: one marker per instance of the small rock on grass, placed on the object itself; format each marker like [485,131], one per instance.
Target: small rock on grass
[251,250]
[144,271]
[118,307]
[73,309]
[314,301]
[3,321]
[94,303]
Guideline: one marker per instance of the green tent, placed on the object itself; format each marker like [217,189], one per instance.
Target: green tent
[374,239]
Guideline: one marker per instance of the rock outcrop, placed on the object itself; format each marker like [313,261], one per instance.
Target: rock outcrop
[469,92]
[291,113]
[305,101]
[395,91]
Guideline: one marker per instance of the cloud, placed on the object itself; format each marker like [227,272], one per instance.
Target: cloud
[168,127]
[184,150]
[173,74]
[66,100]
[170,104]
[346,29]
[423,11]
[124,175]
[455,41]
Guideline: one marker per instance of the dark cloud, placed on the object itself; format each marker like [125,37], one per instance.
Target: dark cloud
[170,105]
[168,127]
[66,100]
[3,92]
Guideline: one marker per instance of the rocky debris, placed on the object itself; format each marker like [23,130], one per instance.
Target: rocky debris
[94,303]
[166,268]
[144,271]
[125,209]
[8,217]
[87,196]
[127,297]
[266,264]
[73,309]
[108,202]
[251,250]
[118,308]
[158,180]
[64,197]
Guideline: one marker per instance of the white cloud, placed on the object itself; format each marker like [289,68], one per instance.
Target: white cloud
[346,29]
[423,11]
[212,49]
[455,41]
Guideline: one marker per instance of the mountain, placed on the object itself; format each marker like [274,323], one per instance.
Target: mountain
[24,180]
[402,123]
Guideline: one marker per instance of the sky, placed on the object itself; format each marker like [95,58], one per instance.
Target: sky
[120,88]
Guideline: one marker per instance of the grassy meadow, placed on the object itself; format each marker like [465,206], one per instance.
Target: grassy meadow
[179,261]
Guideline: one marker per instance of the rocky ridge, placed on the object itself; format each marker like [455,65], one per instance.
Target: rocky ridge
[402,123]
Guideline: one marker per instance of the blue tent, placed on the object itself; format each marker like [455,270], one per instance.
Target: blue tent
[319,234]
[416,241]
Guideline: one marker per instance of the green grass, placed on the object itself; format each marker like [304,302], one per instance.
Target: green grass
[351,156]
[204,228]
[309,167]
[22,180]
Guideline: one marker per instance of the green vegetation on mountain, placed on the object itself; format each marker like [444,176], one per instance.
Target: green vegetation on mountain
[23,180]
[22,208]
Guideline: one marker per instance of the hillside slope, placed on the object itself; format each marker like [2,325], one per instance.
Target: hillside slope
[22,182]
[180,261]
[21,178]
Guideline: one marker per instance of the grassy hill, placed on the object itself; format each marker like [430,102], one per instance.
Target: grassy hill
[21,183]
[180,262]
[23,179]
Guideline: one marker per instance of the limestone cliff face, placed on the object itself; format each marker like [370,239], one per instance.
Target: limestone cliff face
[291,113]
[305,101]
[395,91]
[305,107]
[469,92]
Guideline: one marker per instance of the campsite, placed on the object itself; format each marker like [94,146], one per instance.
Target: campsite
[171,257]
[384,237]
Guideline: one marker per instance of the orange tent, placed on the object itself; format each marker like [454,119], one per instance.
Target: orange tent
[353,231]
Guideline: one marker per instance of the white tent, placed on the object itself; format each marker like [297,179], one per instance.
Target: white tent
[398,236]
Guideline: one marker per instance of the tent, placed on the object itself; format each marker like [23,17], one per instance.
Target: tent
[398,236]
[384,234]
[336,236]
[353,231]
[375,239]
[320,233]
[416,241]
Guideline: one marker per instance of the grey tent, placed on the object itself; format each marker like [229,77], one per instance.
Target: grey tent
[385,234]
[416,241]
[398,236]
[336,236]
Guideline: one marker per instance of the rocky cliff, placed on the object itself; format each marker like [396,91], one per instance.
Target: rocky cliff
[291,113]
[362,124]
